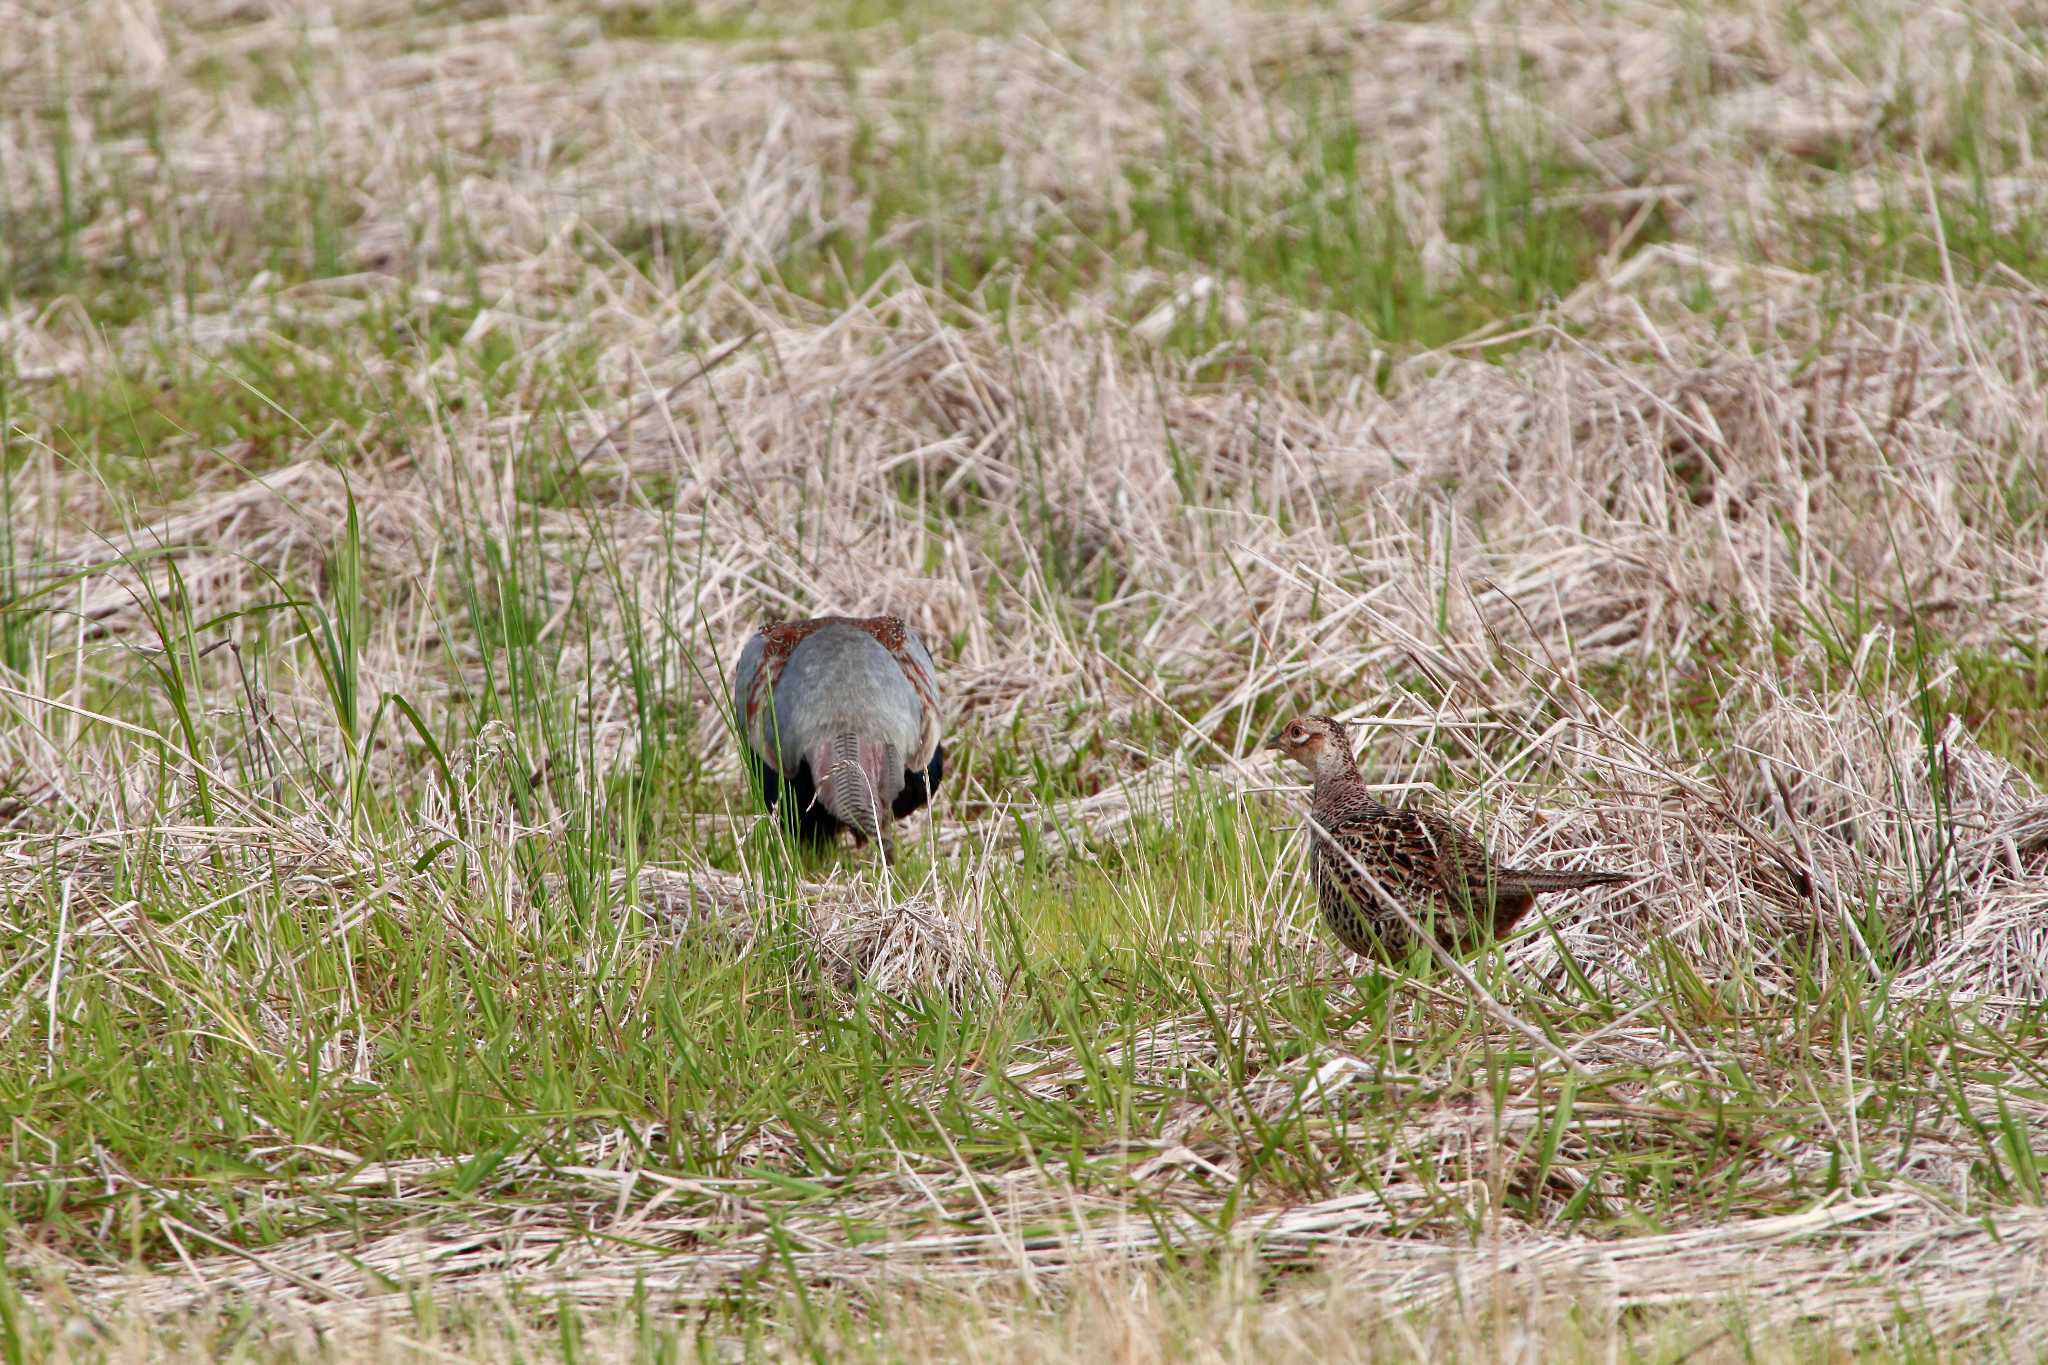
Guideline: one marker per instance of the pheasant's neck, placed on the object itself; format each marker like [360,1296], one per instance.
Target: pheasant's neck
[1338,783]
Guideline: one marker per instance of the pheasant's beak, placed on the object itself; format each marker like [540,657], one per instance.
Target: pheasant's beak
[1274,745]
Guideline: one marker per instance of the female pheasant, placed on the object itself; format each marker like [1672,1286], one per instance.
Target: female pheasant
[842,713]
[1435,867]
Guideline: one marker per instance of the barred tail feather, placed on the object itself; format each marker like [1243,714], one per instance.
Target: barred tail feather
[852,785]
[1537,883]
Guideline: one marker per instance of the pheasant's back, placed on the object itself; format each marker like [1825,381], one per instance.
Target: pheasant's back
[1368,853]
[842,713]
[841,681]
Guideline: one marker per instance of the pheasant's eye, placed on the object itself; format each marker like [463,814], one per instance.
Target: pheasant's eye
[1297,735]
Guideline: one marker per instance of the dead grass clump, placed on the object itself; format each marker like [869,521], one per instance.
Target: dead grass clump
[925,943]
[703,904]
[860,933]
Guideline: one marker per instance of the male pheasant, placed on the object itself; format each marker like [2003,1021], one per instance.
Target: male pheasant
[840,715]
[1433,866]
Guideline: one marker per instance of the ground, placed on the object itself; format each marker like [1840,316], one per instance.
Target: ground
[1632,417]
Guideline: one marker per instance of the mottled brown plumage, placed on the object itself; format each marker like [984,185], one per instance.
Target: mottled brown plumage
[1433,866]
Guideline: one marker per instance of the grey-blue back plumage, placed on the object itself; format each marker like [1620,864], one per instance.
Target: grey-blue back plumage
[841,681]
[850,705]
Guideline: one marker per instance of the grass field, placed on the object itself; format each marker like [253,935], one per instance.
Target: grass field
[1634,415]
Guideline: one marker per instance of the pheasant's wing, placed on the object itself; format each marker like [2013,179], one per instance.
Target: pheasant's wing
[758,675]
[923,676]
[1430,864]
[1372,860]
[753,682]
[1496,895]
[1463,869]
[1438,870]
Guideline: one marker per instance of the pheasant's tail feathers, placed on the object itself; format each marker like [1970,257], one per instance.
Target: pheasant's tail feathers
[1538,883]
[850,772]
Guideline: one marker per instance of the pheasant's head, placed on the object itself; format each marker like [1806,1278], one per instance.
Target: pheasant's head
[1313,741]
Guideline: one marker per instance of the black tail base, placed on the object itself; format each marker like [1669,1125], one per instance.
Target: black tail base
[815,824]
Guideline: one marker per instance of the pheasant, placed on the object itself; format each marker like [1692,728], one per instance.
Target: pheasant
[841,714]
[1435,867]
